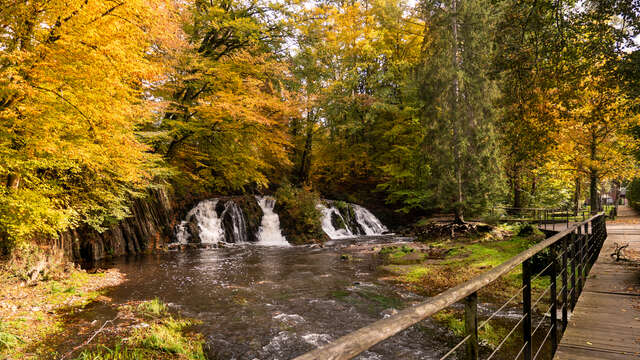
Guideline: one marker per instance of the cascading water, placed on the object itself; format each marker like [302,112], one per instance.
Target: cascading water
[209,225]
[270,233]
[369,222]
[361,220]
[203,223]
[327,223]
[233,219]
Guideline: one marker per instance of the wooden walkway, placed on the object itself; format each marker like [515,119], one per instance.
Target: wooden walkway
[605,323]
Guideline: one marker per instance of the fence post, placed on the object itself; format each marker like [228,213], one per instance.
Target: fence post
[471,325]
[565,285]
[554,296]
[574,259]
[579,264]
[526,308]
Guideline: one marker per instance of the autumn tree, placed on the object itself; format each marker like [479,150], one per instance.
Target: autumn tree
[72,83]
[226,107]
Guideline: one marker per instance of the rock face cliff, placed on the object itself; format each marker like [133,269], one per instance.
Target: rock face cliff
[150,226]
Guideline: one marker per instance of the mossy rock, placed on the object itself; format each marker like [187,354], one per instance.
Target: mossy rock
[253,215]
[300,219]
[337,221]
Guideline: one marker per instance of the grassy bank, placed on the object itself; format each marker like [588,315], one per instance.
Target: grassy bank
[149,332]
[429,269]
[32,313]
[42,319]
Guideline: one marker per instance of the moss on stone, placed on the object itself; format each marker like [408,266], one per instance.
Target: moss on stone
[300,219]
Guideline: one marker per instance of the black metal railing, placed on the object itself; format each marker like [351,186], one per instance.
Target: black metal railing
[567,258]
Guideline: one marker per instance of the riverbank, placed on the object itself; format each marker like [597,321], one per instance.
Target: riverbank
[43,320]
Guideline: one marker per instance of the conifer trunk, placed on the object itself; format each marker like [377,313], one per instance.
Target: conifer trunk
[459,208]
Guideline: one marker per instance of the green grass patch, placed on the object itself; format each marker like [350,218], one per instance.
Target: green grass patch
[153,307]
[166,337]
[8,340]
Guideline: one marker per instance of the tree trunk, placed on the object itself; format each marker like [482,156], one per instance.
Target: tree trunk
[13,181]
[593,178]
[305,160]
[576,197]
[517,189]
[459,207]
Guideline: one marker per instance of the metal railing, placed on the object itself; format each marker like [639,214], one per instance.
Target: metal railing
[547,217]
[570,255]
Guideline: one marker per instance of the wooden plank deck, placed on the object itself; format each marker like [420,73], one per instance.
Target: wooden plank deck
[606,321]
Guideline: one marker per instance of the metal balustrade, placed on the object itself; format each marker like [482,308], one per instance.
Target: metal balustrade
[570,254]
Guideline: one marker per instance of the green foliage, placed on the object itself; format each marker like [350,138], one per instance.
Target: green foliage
[300,217]
[633,193]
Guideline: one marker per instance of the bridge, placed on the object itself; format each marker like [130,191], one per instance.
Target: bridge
[592,301]
[606,321]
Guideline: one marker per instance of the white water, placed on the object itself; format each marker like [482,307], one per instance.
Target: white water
[239,231]
[269,232]
[367,221]
[210,226]
[328,227]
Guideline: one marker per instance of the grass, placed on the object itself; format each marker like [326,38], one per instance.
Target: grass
[488,335]
[464,260]
[153,307]
[33,313]
[8,340]
[164,337]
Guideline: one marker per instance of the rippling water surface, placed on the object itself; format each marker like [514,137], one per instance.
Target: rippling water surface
[260,302]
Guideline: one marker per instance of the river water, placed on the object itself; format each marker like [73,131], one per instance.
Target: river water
[259,302]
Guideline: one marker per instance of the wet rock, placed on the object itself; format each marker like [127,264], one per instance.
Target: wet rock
[149,227]
[217,349]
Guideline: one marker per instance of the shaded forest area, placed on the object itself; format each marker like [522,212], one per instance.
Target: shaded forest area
[410,108]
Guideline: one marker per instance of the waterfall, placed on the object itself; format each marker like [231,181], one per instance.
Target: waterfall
[361,220]
[209,225]
[203,225]
[233,219]
[327,223]
[369,223]
[270,233]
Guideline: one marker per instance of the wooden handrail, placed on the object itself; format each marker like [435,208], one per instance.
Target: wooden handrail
[353,344]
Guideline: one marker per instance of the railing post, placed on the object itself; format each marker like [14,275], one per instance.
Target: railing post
[526,308]
[574,259]
[579,265]
[565,285]
[554,296]
[585,254]
[471,326]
